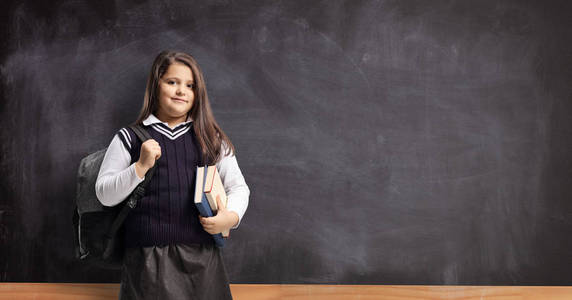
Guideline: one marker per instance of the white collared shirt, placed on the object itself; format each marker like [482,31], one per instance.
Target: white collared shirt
[151,119]
[117,177]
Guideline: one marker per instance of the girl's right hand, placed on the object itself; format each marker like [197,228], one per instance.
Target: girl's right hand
[150,152]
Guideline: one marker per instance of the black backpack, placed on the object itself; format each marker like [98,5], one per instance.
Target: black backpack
[98,229]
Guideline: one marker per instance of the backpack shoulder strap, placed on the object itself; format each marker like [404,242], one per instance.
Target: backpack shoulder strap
[141,133]
[135,196]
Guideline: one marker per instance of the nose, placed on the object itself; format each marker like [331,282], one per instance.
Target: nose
[179,92]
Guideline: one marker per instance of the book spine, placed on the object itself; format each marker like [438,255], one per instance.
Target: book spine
[211,199]
[203,210]
[218,239]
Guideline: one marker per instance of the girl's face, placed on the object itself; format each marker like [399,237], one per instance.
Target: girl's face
[176,93]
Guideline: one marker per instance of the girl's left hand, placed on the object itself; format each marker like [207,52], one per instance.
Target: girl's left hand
[223,220]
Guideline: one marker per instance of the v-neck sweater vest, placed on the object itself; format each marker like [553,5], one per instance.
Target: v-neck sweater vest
[166,214]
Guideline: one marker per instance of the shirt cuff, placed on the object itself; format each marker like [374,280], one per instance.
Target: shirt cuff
[237,223]
[240,212]
[134,175]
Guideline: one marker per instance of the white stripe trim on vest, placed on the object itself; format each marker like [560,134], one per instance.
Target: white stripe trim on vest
[125,136]
[170,135]
[128,135]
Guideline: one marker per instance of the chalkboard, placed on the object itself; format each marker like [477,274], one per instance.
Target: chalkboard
[384,142]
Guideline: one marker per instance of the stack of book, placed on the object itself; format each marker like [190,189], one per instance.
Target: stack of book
[208,186]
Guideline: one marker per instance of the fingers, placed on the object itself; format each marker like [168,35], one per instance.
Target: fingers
[219,203]
[208,224]
[151,143]
[207,221]
[152,148]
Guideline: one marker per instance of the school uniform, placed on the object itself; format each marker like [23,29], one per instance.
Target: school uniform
[168,253]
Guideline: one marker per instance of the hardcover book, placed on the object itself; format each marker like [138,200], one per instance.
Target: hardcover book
[213,188]
[202,203]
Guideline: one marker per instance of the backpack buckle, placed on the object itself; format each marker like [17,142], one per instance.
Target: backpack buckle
[132,203]
[139,191]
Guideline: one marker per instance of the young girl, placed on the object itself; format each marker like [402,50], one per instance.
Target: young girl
[170,252]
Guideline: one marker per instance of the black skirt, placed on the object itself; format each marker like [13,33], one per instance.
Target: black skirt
[174,272]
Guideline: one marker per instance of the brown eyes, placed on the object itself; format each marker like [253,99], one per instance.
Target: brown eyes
[191,85]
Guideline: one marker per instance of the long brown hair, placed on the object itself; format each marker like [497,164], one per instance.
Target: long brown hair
[207,131]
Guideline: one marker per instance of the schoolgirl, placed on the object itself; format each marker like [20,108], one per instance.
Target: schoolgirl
[170,252]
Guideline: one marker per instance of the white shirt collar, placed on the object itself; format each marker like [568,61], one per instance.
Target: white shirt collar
[152,119]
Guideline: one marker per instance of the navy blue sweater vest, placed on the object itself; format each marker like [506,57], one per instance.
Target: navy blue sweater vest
[167,214]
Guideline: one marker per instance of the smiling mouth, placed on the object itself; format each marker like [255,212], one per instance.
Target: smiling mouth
[179,99]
